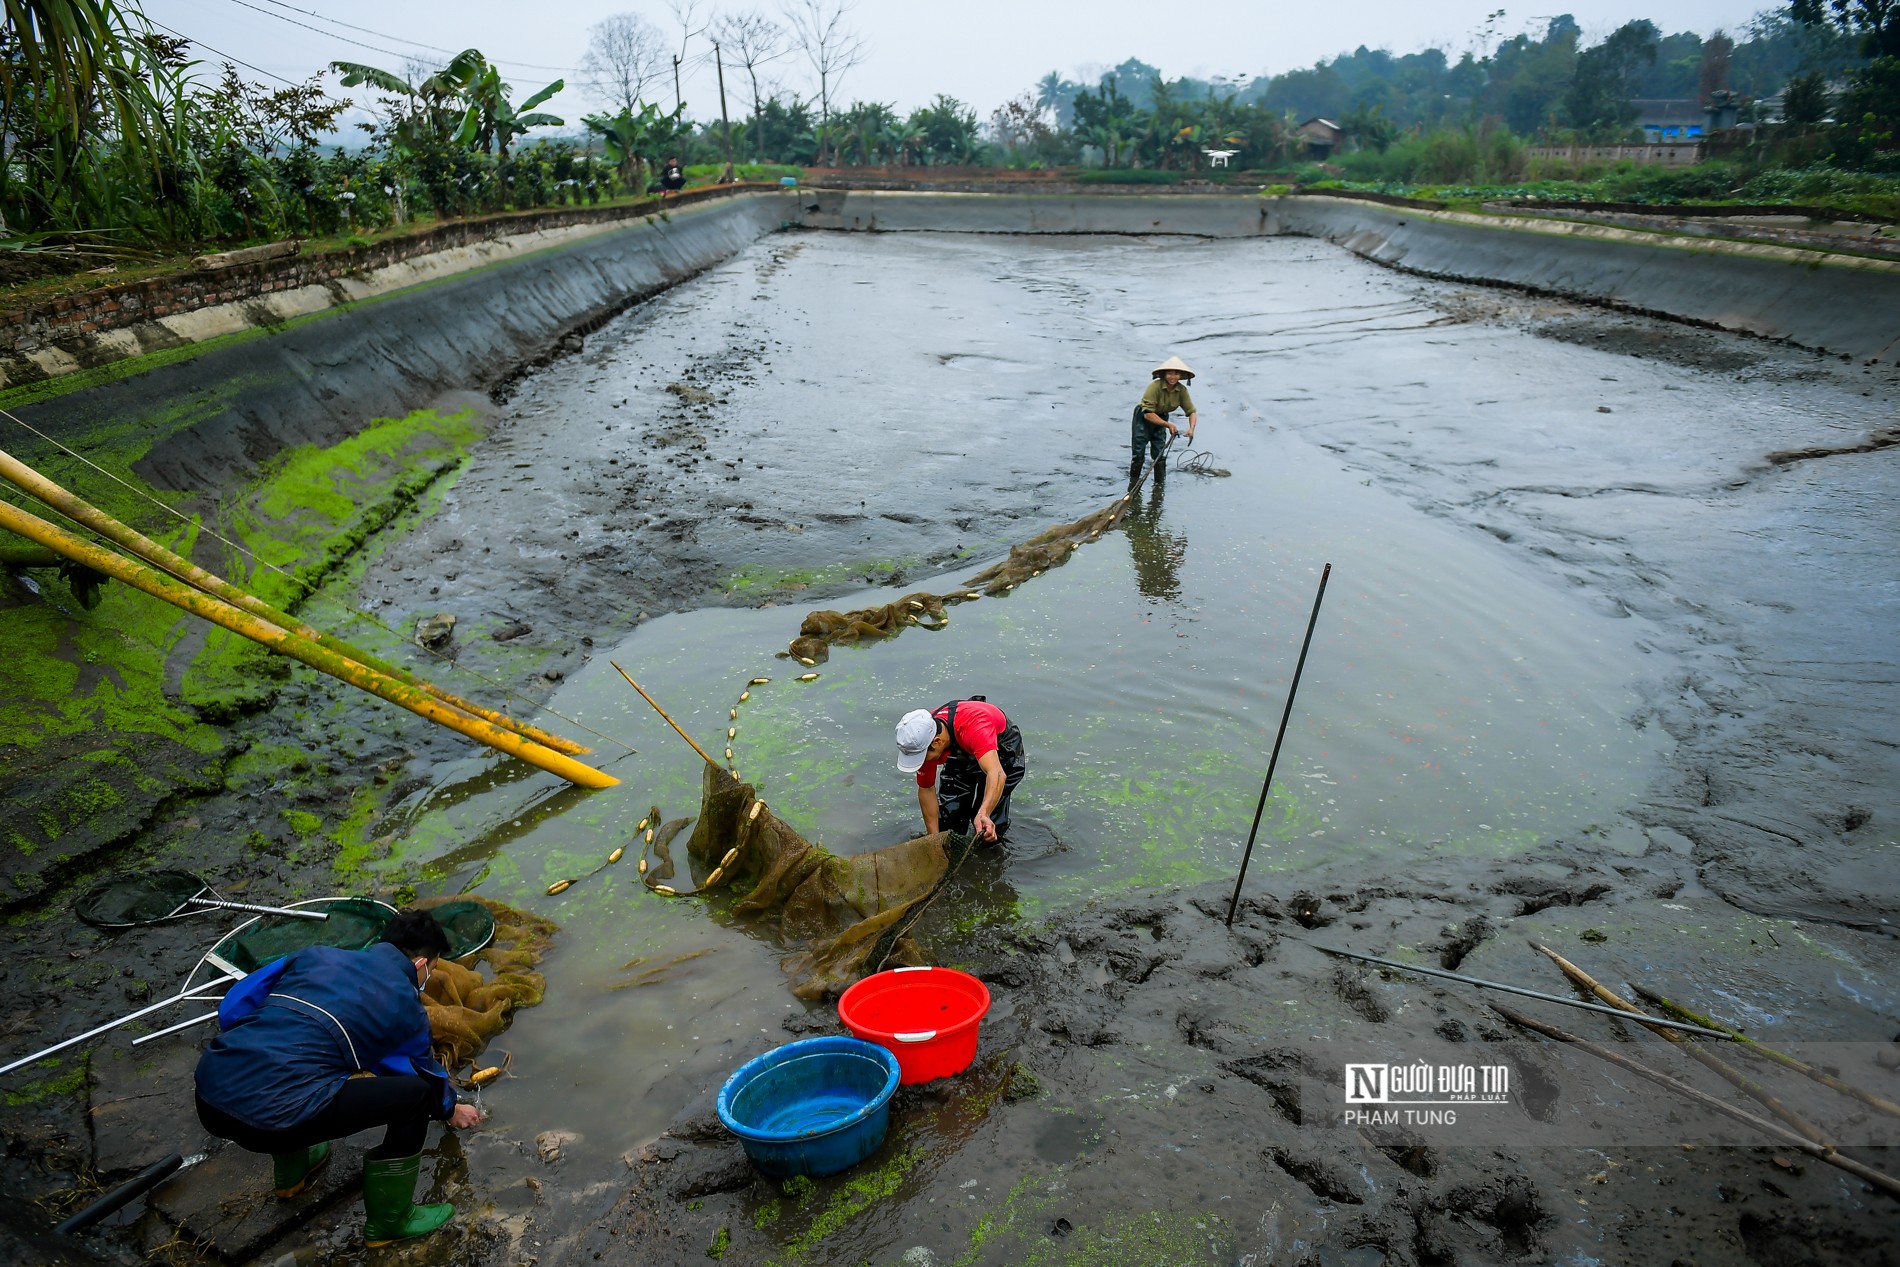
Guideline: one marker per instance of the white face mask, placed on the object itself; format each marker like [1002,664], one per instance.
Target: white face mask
[424,970]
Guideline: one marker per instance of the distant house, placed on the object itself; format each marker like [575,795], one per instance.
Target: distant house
[1320,136]
[1669,119]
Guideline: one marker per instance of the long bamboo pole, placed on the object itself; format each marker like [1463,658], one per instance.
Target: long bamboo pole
[1782,1058]
[227,616]
[83,512]
[1823,1152]
[662,712]
[1741,1081]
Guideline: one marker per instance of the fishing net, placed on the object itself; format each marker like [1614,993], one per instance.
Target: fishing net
[468,1006]
[847,916]
[1050,548]
[139,899]
[355,923]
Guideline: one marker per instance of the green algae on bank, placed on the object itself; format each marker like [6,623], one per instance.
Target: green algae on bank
[112,710]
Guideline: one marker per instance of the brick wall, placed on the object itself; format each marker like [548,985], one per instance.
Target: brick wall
[24,329]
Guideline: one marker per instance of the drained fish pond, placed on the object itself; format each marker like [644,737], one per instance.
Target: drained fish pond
[1600,665]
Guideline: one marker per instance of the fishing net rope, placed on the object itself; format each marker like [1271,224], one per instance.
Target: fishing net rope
[849,916]
[468,1007]
[1050,548]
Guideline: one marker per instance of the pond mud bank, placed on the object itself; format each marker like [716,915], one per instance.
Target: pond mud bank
[1606,663]
[268,446]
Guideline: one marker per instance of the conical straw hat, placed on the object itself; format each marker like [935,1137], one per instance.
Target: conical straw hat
[1173,363]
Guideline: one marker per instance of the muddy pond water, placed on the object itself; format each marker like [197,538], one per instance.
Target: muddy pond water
[928,399]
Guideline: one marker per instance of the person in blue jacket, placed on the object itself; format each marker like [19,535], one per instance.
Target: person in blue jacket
[324,1043]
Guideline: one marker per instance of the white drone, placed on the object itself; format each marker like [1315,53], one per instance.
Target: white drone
[1218,158]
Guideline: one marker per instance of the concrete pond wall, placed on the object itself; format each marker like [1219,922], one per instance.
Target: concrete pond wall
[299,419]
[1840,304]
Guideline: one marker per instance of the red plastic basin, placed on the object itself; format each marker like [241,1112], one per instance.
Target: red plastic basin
[928,1017]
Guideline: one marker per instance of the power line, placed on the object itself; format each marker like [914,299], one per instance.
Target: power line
[311,13]
[374,48]
[226,56]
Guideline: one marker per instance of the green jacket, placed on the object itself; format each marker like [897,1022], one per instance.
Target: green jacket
[1162,400]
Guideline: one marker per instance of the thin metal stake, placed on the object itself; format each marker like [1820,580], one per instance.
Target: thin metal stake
[1234,903]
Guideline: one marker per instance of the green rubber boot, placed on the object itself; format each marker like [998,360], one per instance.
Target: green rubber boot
[390,1212]
[290,1172]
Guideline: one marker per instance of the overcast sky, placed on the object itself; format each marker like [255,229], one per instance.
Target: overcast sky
[982,51]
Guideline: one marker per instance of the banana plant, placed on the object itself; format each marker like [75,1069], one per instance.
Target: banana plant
[432,114]
[491,123]
[628,136]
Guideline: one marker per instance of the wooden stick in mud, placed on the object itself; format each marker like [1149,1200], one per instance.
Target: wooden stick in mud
[156,583]
[1781,1058]
[1730,1073]
[662,712]
[138,544]
[1880,1179]
[1233,903]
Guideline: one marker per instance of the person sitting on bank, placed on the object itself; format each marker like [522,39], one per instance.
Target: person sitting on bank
[672,177]
[981,758]
[324,1043]
[1167,391]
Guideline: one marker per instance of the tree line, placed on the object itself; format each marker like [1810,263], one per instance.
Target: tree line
[116,137]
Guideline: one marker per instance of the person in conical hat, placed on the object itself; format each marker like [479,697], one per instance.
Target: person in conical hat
[1167,391]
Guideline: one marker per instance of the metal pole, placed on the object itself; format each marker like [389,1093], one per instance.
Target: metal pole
[1579,1004]
[254,909]
[142,1039]
[1233,903]
[181,997]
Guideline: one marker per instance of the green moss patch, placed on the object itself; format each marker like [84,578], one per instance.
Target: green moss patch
[108,711]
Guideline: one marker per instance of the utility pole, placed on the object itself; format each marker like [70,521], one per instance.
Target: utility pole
[719,62]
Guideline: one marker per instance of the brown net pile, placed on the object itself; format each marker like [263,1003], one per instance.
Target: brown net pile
[823,630]
[468,1007]
[850,916]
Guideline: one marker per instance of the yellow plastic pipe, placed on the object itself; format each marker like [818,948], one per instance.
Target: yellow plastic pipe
[227,616]
[81,511]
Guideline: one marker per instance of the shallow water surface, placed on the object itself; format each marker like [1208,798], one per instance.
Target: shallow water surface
[1456,702]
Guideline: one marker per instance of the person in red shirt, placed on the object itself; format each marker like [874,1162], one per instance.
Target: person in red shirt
[968,758]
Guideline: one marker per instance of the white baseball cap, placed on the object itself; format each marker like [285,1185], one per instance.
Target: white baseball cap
[915,732]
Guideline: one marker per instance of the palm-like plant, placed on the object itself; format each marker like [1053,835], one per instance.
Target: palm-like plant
[491,123]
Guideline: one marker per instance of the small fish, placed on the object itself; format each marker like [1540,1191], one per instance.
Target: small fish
[808,677]
[732,714]
[744,696]
[727,861]
[482,1077]
[616,855]
[558,886]
[670,892]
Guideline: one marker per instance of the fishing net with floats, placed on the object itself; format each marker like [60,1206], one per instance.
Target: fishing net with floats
[848,916]
[471,1000]
[1050,548]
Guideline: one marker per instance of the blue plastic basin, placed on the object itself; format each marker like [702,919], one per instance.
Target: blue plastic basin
[813,1107]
